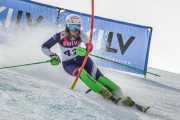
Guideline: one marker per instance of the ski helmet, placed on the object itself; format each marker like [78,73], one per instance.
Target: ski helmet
[73,22]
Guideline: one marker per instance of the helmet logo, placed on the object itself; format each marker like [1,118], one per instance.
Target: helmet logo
[73,19]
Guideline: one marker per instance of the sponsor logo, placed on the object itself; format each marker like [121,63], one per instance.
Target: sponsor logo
[70,43]
[7,17]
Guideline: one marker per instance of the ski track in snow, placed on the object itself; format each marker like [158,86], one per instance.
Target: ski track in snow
[161,94]
[26,98]
[23,97]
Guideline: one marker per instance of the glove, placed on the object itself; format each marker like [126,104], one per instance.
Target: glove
[80,51]
[89,45]
[55,60]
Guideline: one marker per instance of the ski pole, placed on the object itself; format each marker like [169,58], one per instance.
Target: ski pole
[25,64]
[88,50]
[124,65]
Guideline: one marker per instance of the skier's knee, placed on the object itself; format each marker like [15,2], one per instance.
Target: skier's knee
[75,72]
[90,82]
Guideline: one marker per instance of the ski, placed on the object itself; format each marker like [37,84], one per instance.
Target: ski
[141,108]
[128,102]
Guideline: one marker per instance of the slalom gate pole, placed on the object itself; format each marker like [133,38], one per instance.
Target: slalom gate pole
[25,64]
[125,65]
[88,50]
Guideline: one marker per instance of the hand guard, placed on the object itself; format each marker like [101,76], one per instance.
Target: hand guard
[80,51]
[55,60]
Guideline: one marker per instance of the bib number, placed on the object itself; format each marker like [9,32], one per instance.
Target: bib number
[70,52]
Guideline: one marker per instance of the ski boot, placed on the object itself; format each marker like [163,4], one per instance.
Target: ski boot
[128,101]
[108,95]
[117,101]
[105,93]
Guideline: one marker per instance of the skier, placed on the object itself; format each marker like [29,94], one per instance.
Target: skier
[72,58]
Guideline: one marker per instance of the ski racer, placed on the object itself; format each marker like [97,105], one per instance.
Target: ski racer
[73,55]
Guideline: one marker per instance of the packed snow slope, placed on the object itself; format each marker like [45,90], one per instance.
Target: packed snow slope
[24,97]
[41,92]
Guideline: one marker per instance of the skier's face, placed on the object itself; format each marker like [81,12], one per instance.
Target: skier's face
[74,32]
[74,29]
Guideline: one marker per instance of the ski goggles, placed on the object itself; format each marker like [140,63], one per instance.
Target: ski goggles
[74,27]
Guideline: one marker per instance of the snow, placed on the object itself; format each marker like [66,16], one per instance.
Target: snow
[41,92]
[23,97]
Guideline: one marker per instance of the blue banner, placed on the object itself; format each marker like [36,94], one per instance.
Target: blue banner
[15,14]
[117,41]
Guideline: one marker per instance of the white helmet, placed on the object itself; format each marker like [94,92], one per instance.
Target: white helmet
[73,19]
[73,22]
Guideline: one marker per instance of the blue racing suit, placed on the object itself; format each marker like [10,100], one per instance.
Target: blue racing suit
[71,62]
